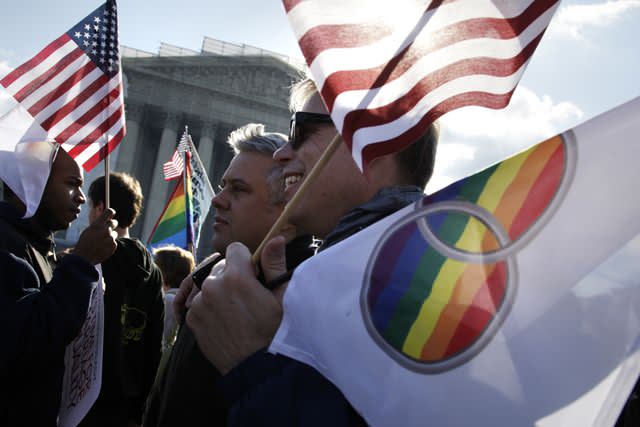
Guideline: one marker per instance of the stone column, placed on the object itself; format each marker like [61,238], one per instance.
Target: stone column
[156,197]
[127,147]
[206,147]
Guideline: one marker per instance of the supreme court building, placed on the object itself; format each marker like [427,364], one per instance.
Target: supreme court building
[214,91]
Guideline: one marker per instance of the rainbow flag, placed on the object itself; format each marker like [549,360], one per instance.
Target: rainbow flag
[175,225]
[512,294]
[423,302]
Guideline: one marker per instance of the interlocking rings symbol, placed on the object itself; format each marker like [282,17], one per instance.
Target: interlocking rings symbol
[415,225]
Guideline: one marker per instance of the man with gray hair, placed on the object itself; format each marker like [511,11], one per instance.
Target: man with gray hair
[250,196]
[249,200]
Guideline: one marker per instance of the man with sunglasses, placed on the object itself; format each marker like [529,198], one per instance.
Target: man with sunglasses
[234,318]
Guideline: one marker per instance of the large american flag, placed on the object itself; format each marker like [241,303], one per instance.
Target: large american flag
[387,69]
[73,87]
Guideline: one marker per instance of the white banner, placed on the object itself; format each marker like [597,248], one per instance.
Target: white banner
[83,363]
[202,193]
[479,305]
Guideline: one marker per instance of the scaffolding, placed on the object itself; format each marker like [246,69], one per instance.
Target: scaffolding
[211,47]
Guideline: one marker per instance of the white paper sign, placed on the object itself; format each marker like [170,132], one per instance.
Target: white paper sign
[83,363]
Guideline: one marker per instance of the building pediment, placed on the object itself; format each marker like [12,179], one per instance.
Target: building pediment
[261,78]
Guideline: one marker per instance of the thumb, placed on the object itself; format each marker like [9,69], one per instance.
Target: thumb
[107,214]
[107,218]
[273,260]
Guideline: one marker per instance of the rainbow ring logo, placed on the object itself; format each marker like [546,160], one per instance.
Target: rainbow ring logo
[441,281]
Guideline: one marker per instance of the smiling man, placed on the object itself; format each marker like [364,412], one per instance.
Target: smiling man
[234,317]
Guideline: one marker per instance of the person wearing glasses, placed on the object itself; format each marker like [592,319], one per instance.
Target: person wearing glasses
[234,318]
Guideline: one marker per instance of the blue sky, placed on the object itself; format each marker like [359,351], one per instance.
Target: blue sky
[587,63]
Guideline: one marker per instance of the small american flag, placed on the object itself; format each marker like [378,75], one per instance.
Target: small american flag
[387,69]
[174,167]
[73,87]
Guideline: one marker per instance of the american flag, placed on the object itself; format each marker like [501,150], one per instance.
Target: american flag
[174,167]
[386,69]
[73,87]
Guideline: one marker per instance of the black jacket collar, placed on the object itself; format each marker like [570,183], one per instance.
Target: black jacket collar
[39,237]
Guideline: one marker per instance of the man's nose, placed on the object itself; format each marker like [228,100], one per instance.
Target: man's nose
[220,201]
[80,197]
[284,154]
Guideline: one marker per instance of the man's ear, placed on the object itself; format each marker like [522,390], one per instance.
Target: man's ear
[384,171]
[99,208]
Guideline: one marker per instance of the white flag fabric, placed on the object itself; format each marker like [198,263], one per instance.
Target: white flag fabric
[387,69]
[202,192]
[478,305]
[26,157]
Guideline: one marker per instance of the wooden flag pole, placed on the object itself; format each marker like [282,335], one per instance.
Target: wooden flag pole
[186,159]
[293,203]
[107,187]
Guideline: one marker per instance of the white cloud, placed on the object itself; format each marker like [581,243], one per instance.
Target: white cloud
[473,138]
[6,102]
[449,155]
[4,68]
[570,21]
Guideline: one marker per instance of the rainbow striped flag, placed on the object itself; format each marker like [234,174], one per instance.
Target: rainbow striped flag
[510,297]
[431,323]
[175,225]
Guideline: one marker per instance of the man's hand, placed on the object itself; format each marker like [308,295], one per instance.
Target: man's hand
[98,241]
[234,315]
[182,296]
[187,291]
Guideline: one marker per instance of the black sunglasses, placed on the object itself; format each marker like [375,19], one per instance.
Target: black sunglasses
[296,129]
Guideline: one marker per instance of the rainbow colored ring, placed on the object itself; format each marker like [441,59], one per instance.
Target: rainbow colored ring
[433,306]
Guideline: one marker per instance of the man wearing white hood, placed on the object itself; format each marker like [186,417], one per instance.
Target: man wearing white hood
[43,302]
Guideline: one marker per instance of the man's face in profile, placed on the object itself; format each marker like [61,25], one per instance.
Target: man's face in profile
[246,206]
[63,197]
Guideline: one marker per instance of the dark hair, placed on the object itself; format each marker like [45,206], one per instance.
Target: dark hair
[175,264]
[125,196]
[416,161]
[7,192]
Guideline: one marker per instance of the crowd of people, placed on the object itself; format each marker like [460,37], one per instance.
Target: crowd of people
[179,351]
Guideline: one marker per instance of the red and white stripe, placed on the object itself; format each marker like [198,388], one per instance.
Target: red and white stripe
[72,99]
[387,69]
[174,167]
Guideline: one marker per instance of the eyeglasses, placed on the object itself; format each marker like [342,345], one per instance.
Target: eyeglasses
[296,126]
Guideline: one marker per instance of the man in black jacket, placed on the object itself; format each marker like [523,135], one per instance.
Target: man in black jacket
[134,311]
[234,317]
[248,202]
[43,303]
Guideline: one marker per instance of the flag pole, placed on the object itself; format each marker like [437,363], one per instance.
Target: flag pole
[187,211]
[295,200]
[107,187]
[186,203]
